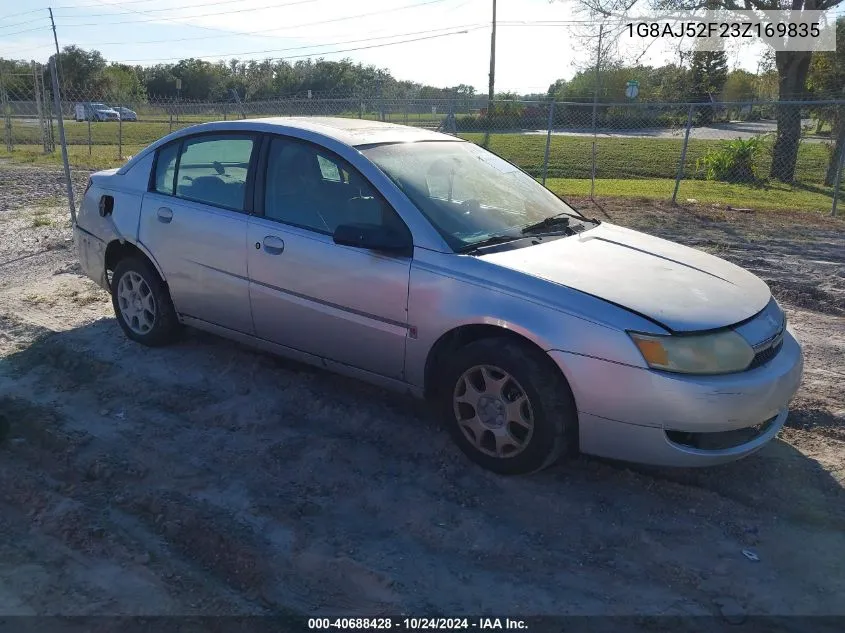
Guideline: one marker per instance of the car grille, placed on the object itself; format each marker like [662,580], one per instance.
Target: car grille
[765,355]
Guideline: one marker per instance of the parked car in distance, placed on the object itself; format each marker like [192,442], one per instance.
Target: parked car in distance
[424,263]
[126,114]
[95,112]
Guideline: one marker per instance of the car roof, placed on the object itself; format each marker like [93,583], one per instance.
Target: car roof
[353,132]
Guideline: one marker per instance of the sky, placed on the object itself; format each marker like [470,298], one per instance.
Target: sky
[538,41]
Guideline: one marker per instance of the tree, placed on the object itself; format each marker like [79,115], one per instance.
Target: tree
[80,70]
[708,74]
[827,80]
[158,80]
[16,78]
[792,66]
[121,83]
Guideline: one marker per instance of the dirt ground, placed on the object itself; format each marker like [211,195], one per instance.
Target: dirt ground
[207,478]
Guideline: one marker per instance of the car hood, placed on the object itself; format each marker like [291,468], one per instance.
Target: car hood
[682,288]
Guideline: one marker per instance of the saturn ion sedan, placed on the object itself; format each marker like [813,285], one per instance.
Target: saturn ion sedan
[424,263]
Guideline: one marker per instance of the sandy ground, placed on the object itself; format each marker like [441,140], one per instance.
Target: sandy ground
[206,478]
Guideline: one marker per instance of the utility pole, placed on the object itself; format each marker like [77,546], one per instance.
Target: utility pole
[492,63]
[57,100]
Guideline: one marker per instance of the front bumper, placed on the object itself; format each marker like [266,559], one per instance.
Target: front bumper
[625,412]
[91,252]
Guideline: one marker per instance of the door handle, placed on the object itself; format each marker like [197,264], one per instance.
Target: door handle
[274,245]
[164,215]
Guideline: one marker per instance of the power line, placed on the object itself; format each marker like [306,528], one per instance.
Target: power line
[13,15]
[9,26]
[465,29]
[37,28]
[499,24]
[260,32]
[208,28]
[344,50]
[183,17]
[180,19]
[250,33]
[148,11]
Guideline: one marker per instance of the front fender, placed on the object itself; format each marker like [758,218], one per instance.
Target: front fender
[448,291]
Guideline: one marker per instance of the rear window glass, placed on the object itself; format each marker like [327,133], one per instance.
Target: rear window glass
[213,170]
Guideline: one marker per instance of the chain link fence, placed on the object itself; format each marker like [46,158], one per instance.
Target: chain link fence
[741,154]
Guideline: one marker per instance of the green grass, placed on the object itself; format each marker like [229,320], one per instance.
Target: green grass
[571,157]
[626,167]
[41,220]
[776,196]
[101,156]
[27,132]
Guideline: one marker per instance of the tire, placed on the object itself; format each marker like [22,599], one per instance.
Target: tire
[147,316]
[489,434]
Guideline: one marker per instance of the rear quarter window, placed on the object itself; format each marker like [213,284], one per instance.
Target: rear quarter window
[165,176]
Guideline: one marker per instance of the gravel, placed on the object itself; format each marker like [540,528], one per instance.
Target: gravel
[209,479]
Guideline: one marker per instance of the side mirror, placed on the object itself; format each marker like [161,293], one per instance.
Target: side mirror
[373,237]
[106,205]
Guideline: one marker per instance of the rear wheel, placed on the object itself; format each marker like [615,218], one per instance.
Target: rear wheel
[142,303]
[507,406]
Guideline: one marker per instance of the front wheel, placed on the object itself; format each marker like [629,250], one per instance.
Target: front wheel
[142,303]
[507,406]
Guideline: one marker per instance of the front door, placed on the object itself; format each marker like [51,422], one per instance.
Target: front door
[194,223]
[308,293]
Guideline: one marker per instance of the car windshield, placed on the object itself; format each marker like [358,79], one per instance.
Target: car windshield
[470,195]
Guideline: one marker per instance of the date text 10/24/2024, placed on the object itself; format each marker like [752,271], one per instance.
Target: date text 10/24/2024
[417,624]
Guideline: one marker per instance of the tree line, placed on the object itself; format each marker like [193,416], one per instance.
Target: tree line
[89,73]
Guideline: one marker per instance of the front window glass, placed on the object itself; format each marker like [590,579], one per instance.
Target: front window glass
[466,192]
[312,189]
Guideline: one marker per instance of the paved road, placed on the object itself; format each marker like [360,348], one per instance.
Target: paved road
[720,131]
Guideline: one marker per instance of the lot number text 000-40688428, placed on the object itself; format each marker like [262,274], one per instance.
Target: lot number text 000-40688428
[416,624]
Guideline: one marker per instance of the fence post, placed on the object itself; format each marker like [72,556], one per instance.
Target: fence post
[88,118]
[49,109]
[837,182]
[171,119]
[120,138]
[548,140]
[239,102]
[4,102]
[42,125]
[680,173]
[57,100]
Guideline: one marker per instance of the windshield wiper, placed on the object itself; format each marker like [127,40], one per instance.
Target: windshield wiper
[493,240]
[554,221]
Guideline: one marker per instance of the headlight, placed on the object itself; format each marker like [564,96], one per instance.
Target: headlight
[718,353]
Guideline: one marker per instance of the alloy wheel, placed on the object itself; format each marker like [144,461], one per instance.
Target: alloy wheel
[493,411]
[136,301]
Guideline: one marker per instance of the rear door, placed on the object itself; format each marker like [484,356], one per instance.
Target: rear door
[194,222]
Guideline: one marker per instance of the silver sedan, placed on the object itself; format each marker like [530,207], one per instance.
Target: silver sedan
[424,263]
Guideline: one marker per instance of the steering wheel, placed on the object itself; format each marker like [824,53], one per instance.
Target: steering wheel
[218,167]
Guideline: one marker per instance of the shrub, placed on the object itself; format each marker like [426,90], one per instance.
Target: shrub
[735,161]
